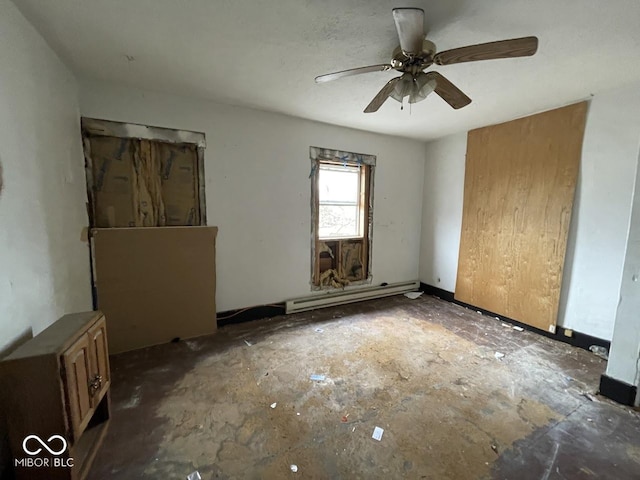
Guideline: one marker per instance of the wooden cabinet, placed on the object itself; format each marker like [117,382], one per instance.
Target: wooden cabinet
[55,389]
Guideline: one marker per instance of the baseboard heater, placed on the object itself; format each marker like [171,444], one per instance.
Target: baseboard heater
[349,296]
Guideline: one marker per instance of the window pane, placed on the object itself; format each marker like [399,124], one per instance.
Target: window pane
[338,184]
[338,221]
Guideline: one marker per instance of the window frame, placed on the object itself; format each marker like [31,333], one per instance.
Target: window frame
[359,203]
[366,163]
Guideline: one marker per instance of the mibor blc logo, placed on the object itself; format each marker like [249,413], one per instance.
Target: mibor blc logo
[44,454]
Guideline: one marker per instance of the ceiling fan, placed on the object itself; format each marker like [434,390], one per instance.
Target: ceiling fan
[415,54]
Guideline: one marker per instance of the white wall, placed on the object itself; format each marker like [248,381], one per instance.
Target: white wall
[442,211]
[258,191]
[44,267]
[624,358]
[600,221]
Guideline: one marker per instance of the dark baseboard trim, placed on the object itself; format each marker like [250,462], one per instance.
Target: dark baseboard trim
[618,391]
[438,292]
[231,317]
[580,340]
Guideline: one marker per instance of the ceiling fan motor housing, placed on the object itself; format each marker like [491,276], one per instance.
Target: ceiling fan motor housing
[414,63]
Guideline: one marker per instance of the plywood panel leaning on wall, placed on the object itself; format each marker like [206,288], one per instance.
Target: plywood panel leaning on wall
[519,186]
[155,283]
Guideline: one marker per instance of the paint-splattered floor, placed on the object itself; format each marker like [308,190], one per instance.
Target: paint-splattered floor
[423,370]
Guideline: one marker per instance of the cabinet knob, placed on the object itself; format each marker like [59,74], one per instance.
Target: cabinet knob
[95,384]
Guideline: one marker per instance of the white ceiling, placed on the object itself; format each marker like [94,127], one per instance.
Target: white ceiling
[265,54]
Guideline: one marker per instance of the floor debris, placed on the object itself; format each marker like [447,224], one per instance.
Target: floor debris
[413,295]
[521,405]
[294,468]
[194,476]
[317,378]
[319,330]
[274,404]
[377,433]
[499,355]
[518,329]
[601,352]
[249,344]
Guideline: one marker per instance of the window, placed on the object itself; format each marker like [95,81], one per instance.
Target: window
[341,209]
[340,212]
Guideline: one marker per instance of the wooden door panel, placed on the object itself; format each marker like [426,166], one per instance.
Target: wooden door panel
[99,360]
[78,370]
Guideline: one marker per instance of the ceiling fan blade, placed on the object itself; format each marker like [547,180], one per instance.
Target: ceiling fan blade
[410,26]
[382,96]
[352,71]
[517,47]
[449,92]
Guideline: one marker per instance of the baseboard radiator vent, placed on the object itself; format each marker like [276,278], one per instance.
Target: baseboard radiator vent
[349,296]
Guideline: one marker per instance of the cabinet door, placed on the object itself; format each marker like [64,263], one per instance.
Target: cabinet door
[100,375]
[77,367]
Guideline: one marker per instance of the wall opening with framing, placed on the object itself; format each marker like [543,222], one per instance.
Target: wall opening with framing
[139,176]
[341,217]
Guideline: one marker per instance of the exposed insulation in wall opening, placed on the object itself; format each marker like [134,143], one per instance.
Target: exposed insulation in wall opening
[341,262]
[149,181]
[352,260]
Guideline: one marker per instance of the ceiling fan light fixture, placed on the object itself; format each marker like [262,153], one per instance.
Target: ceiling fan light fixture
[423,87]
[416,87]
[403,87]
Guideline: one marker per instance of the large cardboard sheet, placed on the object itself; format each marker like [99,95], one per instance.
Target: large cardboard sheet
[155,284]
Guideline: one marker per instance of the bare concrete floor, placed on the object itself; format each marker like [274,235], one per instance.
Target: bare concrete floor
[423,370]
